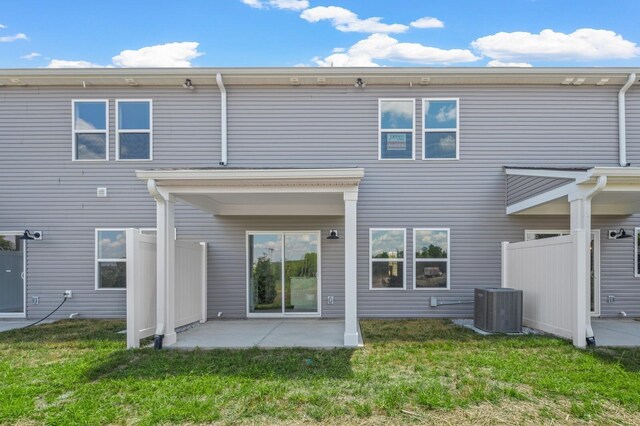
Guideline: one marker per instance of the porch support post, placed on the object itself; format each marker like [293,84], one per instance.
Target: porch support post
[165,268]
[351,338]
[581,229]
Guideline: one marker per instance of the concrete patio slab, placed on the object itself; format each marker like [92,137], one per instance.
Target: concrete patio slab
[11,324]
[616,332]
[263,333]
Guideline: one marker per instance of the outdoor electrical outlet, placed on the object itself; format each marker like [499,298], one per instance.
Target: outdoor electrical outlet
[434,302]
[611,299]
[35,300]
[330,300]
[68,294]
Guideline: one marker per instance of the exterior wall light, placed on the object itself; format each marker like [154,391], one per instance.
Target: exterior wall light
[333,235]
[621,233]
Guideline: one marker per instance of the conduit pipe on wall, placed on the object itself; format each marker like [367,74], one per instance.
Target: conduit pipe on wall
[622,126]
[223,119]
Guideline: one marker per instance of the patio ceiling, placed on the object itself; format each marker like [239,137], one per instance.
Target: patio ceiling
[260,192]
[620,195]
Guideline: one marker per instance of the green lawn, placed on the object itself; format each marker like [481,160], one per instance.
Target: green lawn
[411,371]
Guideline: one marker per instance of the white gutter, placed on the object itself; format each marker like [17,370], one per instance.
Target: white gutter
[223,119]
[622,125]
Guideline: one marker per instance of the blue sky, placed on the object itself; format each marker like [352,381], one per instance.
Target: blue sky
[69,33]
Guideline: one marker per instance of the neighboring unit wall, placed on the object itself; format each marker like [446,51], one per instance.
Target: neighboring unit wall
[42,189]
[520,188]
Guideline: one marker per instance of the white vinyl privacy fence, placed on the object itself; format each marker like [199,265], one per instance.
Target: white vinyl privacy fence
[546,271]
[190,297]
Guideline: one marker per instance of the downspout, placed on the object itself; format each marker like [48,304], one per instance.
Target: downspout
[160,327]
[598,187]
[223,120]
[622,125]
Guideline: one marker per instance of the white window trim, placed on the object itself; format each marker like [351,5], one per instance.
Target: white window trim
[74,131]
[403,260]
[425,130]
[318,276]
[412,130]
[149,130]
[447,259]
[97,260]
[635,258]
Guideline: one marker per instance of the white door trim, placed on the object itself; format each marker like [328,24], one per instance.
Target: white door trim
[22,314]
[283,314]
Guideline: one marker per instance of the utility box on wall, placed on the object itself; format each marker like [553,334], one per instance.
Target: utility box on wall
[498,310]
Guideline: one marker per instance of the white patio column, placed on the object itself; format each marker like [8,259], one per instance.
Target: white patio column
[165,268]
[350,269]
[581,226]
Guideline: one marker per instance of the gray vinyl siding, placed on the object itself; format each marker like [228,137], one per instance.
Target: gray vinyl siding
[41,188]
[520,188]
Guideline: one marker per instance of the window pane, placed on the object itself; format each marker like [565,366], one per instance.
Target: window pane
[265,280]
[431,274]
[387,244]
[397,145]
[112,275]
[133,115]
[440,114]
[91,146]
[440,144]
[112,245]
[431,244]
[135,146]
[387,275]
[396,114]
[90,116]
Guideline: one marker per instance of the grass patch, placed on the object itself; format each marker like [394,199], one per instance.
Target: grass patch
[411,371]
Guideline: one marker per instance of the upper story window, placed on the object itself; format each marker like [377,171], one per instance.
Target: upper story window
[396,129]
[134,139]
[90,130]
[440,124]
[387,258]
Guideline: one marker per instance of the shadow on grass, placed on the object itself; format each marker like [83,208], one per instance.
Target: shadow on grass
[627,358]
[65,331]
[289,363]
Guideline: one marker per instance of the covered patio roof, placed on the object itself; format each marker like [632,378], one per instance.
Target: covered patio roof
[234,191]
[238,191]
[546,191]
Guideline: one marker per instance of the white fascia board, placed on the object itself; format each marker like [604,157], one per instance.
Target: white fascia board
[253,174]
[615,172]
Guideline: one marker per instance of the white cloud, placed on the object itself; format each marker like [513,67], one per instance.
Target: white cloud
[346,21]
[382,46]
[338,49]
[61,63]
[31,55]
[582,44]
[177,54]
[289,4]
[497,63]
[2,27]
[427,22]
[253,3]
[19,36]
[278,4]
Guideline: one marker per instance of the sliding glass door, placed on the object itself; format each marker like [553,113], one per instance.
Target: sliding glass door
[283,273]
[11,275]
